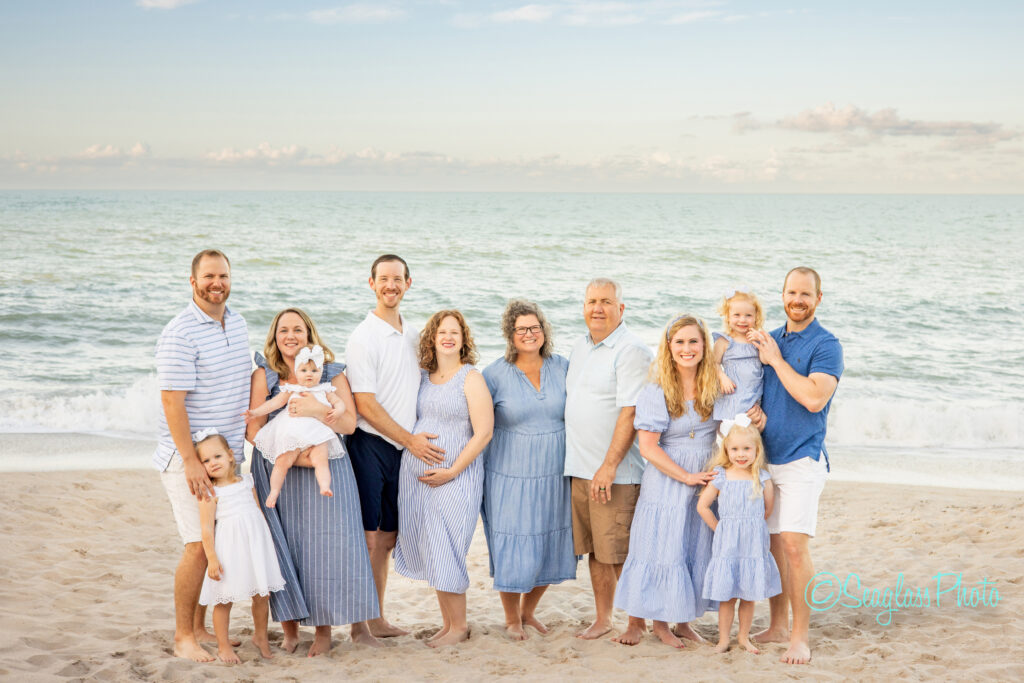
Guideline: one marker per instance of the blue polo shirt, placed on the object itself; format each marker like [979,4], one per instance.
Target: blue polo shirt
[793,432]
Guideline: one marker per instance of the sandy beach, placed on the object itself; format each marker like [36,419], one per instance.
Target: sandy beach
[89,556]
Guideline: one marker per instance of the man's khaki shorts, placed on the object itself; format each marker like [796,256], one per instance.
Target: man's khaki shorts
[603,528]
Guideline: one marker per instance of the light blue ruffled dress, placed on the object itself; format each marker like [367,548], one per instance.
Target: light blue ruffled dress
[526,510]
[741,564]
[669,544]
[743,366]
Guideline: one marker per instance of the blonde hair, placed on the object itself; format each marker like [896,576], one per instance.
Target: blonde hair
[428,354]
[273,354]
[723,309]
[664,373]
[720,457]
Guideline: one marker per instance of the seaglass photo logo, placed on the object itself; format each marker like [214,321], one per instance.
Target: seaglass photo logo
[826,591]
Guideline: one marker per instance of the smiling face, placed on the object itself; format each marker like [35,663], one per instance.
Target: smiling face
[800,297]
[741,449]
[217,459]
[602,311]
[291,335]
[212,281]
[389,283]
[528,335]
[308,374]
[742,316]
[448,339]
[687,347]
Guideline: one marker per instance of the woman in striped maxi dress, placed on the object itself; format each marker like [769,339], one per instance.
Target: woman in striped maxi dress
[319,540]
[438,503]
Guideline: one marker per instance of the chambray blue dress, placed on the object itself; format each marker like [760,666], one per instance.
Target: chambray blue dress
[526,511]
[436,524]
[743,366]
[319,541]
[669,544]
[741,564]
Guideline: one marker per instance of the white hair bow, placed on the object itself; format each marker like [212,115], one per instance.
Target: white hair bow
[741,420]
[738,289]
[204,434]
[315,354]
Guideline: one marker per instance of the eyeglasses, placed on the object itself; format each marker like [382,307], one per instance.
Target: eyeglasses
[534,330]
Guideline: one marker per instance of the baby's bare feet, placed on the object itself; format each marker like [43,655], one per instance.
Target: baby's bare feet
[327,492]
[272,499]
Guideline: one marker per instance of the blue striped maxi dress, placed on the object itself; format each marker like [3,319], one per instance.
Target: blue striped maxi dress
[435,525]
[319,540]
[526,511]
[669,544]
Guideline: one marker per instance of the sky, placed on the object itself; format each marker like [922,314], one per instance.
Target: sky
[566,95]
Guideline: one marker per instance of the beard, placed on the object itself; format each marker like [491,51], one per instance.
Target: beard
[215,298]
[799,314]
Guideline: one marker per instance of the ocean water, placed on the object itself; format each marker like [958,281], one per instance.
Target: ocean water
[925,293]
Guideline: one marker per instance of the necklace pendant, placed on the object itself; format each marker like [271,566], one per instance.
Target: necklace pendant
[691,433]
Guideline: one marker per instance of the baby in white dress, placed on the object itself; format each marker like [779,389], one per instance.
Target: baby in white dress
[283,438]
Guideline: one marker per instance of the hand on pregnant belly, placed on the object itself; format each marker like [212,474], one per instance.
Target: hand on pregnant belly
[437,477]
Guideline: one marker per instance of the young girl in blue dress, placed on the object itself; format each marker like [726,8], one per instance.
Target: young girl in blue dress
[741,565]
[739,369]
[240,555]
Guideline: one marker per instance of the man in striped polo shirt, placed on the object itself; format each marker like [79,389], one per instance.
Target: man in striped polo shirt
[203,368]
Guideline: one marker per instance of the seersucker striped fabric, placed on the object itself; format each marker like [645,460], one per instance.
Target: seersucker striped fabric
[526,513]
[743,366]
[319,540]
[669,544]
[435,525]
[212,363]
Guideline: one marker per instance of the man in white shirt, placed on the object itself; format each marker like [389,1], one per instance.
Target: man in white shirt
[383,370]
[607,369]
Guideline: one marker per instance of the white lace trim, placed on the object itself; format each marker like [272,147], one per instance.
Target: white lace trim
[300,443]
[222,599]
[318,389]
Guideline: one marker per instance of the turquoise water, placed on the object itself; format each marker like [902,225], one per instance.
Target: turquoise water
[923,291]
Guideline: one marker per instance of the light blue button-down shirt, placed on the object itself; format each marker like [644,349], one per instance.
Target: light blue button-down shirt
[603,378]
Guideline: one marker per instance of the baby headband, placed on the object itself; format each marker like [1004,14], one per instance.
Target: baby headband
[738,289]
[668,330]
[741,420]
[315,354]
[204,434]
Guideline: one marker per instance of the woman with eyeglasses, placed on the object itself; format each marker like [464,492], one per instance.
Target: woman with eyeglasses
[526,511]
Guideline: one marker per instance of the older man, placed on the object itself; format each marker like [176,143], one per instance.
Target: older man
[203,368]
[803,364]
[607,369]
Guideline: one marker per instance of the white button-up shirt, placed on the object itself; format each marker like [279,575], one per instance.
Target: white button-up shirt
[384,362]
[603,378]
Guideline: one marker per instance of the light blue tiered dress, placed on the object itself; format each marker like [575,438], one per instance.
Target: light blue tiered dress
[741,564]
[669,544]
[743,366]
[526,510]
[436,524]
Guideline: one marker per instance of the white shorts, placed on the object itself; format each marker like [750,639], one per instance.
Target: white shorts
[798,486]
[184,505]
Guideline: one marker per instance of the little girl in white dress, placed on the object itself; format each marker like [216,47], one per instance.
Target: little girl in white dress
[283,438]
[240,555]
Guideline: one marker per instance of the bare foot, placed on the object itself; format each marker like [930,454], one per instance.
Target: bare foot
[228,656]
[749,646]
[666,636]
[321,645]
[288,644]
[441,633]
[272,499]
[205,636]
[798,653]
[451,638]
[361,636]
[532,621]
[381,628]
[515,632]
[723,646]
[190,649]
[324,492]
[771,636]
[686,631]
[263,645]
[632,635]
[594,631]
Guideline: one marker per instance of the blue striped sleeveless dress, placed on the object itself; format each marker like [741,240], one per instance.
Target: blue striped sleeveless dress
[319,541]
[435,525]
[743,366]
[669,544]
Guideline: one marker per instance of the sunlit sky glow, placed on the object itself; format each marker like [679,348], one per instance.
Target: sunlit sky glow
[660,95]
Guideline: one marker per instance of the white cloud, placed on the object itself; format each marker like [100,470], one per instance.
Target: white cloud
[527,13]
[691,17]
[263,153]
[356,14]
[163,4]
[139,150]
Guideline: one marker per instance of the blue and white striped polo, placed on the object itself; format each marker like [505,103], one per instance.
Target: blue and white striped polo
[212,363]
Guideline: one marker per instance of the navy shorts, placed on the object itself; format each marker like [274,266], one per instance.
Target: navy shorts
[376,464]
